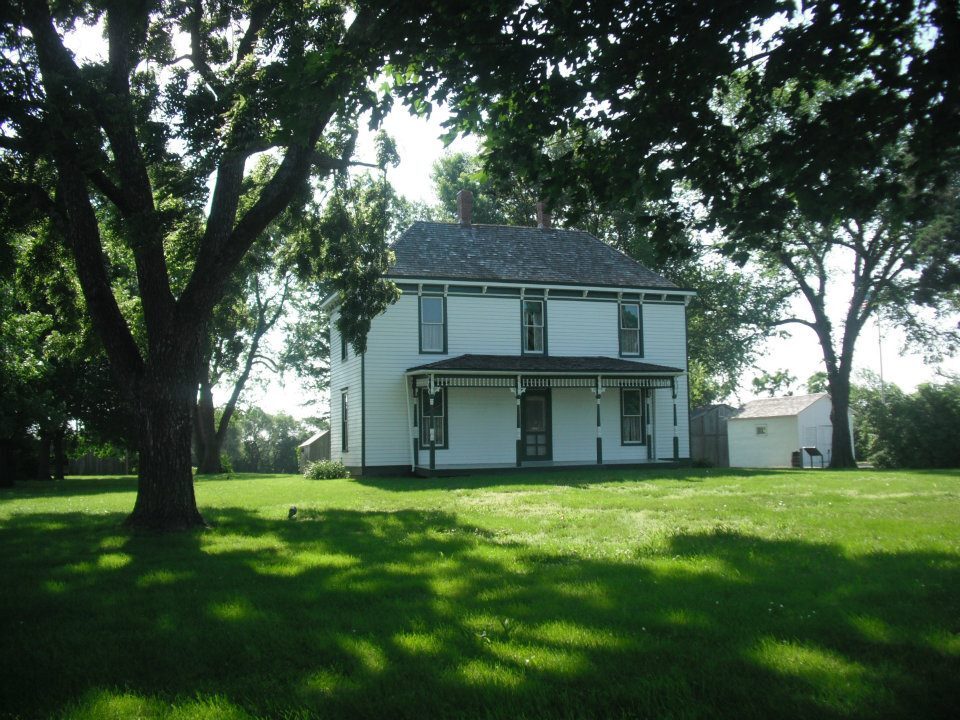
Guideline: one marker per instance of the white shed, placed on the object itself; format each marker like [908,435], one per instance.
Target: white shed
[767,432]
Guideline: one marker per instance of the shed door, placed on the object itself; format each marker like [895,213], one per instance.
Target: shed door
[825,439]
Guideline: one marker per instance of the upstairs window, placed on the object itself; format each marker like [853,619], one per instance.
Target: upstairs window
[633,430]
[630,329]
[533,326]
[433,320]
[343,348]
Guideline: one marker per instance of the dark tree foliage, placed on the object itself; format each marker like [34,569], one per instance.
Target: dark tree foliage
[916,430]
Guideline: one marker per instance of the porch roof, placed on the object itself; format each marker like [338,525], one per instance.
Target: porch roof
[539,364]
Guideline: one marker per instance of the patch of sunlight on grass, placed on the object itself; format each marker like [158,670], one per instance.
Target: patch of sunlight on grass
[156,578]
[483,673]
[114,542]
[113,561]
[568,634]
[291,566]
[55,587]
[835,681]
[116,705]
[945,642]
[873,629]
[451,586]
[326,683]
[80,568]
[110,705]
[418,643]
[221,543]
[367,654]
[233,610]
[207,708]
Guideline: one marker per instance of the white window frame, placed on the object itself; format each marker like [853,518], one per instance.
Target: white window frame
[541,326]
[424,324]
[639,414]
[636,330]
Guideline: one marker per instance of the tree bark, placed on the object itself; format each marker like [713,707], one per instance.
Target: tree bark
[841,455]
[165,496]
[43,456]
[8,470]
[59,456]
[208,453]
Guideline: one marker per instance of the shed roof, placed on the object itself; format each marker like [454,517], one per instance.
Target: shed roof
[313,438]
[450,251]
[778,406]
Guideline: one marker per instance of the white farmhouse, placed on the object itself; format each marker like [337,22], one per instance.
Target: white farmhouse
[767,432]
[513,347]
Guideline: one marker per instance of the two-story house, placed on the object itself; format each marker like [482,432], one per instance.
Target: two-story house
[513,347]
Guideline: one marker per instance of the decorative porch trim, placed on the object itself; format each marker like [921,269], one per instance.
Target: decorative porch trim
[540,381]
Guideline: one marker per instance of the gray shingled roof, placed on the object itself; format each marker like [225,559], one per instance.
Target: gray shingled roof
[548,364]
[778,406]
[516,254]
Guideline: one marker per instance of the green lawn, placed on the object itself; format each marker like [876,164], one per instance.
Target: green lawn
[690,593]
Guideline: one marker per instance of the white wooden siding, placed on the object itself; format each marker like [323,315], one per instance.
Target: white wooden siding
[614,450]
[574,424]
[483,326]
[482,425]
[482,422]
[773,449]
[665,335]
[344,375]
[580,327]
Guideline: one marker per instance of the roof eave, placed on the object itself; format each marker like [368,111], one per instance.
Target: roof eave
[479,282]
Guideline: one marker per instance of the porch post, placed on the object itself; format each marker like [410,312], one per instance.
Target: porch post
[676,439]
[415,432]
[433,425]
[599,392]
[519,392]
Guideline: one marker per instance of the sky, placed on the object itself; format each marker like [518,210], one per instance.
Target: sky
[419,147]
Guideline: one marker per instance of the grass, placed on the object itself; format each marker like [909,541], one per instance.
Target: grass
[683,594]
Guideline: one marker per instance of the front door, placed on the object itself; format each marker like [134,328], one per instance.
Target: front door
[535,423]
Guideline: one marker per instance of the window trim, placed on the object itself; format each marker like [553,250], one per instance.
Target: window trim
[420,299]
[642,416]
[345,420]
[639,329]
[423,402]
[523,326]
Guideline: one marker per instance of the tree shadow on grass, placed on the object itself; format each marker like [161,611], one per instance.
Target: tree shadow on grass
[74,486]
[413,613]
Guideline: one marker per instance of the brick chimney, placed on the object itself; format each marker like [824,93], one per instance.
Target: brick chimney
[464,207]
[544,221]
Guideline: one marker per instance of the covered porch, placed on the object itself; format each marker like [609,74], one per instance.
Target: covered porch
[508,412]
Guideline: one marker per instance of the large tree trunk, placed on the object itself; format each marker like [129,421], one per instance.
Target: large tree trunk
[59,456]
[842,452]
[43,456]
[165,497]
[8,468]
[208,451]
